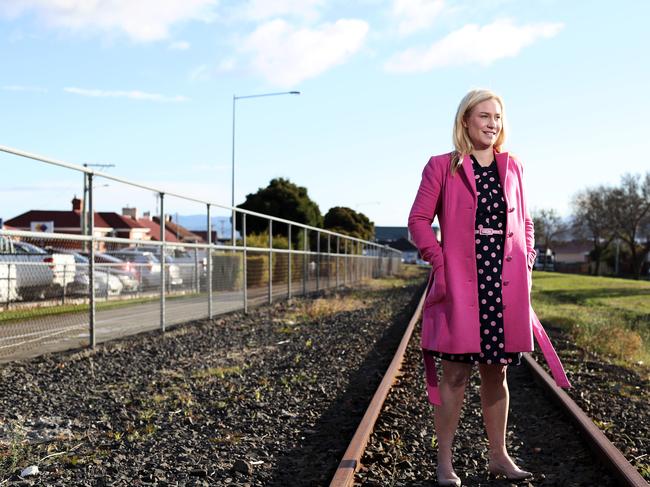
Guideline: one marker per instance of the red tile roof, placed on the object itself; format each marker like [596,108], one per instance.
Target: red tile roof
[184,234]
[61,219]
[117,221]
[155,230]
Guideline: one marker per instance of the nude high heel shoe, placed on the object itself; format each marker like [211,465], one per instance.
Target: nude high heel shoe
[517,474]
[448,482]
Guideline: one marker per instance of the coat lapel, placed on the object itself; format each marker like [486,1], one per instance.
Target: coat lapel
[502,166]
[468,171]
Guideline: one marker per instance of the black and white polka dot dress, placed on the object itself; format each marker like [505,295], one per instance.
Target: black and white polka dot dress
[490,213]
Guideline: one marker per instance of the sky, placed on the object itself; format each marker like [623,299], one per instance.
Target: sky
[147,87]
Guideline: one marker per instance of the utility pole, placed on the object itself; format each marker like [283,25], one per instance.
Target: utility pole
[84,198]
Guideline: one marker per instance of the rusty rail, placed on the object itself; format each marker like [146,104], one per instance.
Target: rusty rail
[350,463]
[595,438]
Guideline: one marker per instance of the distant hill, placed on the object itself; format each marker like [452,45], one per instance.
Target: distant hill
[198,222]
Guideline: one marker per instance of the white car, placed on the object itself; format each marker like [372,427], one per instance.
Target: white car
[37,273]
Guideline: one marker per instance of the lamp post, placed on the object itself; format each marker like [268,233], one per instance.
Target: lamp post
[234,100]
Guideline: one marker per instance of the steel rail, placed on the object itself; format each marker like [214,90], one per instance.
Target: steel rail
[350,463]
[595,438]
[611,456]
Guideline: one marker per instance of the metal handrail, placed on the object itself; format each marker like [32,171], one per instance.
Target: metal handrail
[157,243]
[75,167]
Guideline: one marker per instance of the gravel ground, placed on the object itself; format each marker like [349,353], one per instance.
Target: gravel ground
[402,450]
[267,398]
[615,397]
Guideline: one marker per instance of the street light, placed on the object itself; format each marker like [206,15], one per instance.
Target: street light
[234,99]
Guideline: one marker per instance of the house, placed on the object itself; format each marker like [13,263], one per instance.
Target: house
[399,238]
[154,229]
[573,251]
[106,224]
[181,233]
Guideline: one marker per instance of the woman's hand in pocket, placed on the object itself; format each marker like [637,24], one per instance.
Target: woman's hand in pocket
[438,290]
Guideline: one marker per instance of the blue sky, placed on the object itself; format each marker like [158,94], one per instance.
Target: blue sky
[147,86]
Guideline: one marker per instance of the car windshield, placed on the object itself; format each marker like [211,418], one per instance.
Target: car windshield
[107,258]
[27,248]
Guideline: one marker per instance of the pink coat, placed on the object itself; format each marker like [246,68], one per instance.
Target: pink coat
[450,321]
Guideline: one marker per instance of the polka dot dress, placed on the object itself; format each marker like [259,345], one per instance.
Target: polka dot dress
[490,213]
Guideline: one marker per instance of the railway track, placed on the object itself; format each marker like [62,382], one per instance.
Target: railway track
[562,444]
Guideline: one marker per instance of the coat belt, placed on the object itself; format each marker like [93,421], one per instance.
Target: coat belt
[553,361]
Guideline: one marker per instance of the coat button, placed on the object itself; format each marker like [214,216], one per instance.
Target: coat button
[510,234]
[505,283]
[504,306]
[511,209]
[509,258]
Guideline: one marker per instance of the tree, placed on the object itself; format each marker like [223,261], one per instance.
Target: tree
[282,199]
[593,219]
[631,212]
[548,227]
[349,222]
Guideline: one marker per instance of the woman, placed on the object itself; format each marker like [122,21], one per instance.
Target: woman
[477,309]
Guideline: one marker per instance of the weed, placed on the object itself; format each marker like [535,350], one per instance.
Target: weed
[220,372]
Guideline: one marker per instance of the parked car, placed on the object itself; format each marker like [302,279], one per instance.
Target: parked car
[145,263]
[124,271]
[8,285]
[38,273]
[173,276]
[106,283]
[192,264]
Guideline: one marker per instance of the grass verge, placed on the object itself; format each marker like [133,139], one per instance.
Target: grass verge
[604,315]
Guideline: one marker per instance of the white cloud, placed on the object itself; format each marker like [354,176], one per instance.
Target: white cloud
[32,89]
[414,15]
[179,45]
[472,44]
[133,95]
[285,55]
[200,73]
[266,9]
[141,20]
[226,65]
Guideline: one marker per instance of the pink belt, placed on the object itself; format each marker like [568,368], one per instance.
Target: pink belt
[488,231]
[553,361]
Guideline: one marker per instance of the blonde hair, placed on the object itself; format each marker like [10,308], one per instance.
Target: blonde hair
[462,143]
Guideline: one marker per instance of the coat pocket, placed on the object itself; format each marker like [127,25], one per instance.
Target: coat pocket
[437,287]
[530,260]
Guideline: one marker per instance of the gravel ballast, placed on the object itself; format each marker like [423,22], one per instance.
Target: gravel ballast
[540,438]
[268,398]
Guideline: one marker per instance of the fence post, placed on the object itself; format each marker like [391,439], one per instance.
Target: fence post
[359,261]
[329,262]
[270,261]
[163,279]
[317,261]
[345,262]
[91,269]
[245,280]
[338,249]
[290,254]
[208,258]
[305,273]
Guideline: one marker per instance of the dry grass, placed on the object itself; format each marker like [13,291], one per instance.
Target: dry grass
[604,315]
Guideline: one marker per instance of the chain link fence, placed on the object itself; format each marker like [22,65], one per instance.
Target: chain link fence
[85,285]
